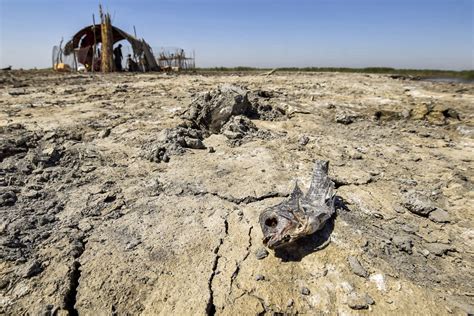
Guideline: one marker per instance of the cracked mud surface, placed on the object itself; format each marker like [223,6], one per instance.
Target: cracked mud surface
[90,225]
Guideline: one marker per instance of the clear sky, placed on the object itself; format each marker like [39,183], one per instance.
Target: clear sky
[261,33]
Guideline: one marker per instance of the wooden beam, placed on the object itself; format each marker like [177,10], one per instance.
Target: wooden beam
[107,62]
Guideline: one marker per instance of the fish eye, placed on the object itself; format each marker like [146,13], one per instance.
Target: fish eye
[271,222]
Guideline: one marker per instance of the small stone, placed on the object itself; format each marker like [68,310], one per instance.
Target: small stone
[405,114]
[32,269]
[357,302]
[438,249]
[378,215]
[290,302]
[261,253]
[303,140]
[343,118]
[7,198]
[85,227]
[439,216]
[194,143]
[31,194]
[259,277]
[418,203]
[50,155]
[305,291]
[356,267]
[104,133]
[369,299]
[87,169]
[211,150]
[425,252]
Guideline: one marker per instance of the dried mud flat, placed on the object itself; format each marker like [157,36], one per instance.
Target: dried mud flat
[93,220]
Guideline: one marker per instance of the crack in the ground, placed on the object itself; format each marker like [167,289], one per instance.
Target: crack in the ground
[70,297]
[239,264]
[245,200]
[210,307]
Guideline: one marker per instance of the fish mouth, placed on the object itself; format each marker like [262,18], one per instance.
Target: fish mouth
[274,241]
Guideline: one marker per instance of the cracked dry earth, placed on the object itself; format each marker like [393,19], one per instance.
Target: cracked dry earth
[89,225]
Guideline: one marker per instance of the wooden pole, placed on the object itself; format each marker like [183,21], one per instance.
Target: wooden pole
[107,62]
[95,43]
[75,60]
[135,56]
[59,58]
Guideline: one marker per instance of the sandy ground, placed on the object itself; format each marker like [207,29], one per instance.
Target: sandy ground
[88,224]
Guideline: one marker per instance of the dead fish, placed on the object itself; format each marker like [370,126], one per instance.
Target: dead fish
[300,215]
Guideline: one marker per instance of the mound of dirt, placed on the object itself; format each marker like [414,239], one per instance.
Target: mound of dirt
[225,110]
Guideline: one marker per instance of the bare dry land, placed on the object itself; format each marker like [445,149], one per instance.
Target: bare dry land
[109,203]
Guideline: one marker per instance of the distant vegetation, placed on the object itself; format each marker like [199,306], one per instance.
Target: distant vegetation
[423,73]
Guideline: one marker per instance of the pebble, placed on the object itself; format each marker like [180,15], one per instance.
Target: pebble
[87,169]
[261,253]
[439,216]
[378,215]
[425,252]
[31,194]
[7,198]
[211,150]
[305,291]
[438,249]
[369,300]
[345,119]
[194,143]
[356,267]
[418,204]
[358,302]
[259,277]
[303,140]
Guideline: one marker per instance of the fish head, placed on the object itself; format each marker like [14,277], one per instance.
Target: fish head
[300,215]
[282,224]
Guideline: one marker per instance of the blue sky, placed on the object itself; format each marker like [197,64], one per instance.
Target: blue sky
[261,33]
